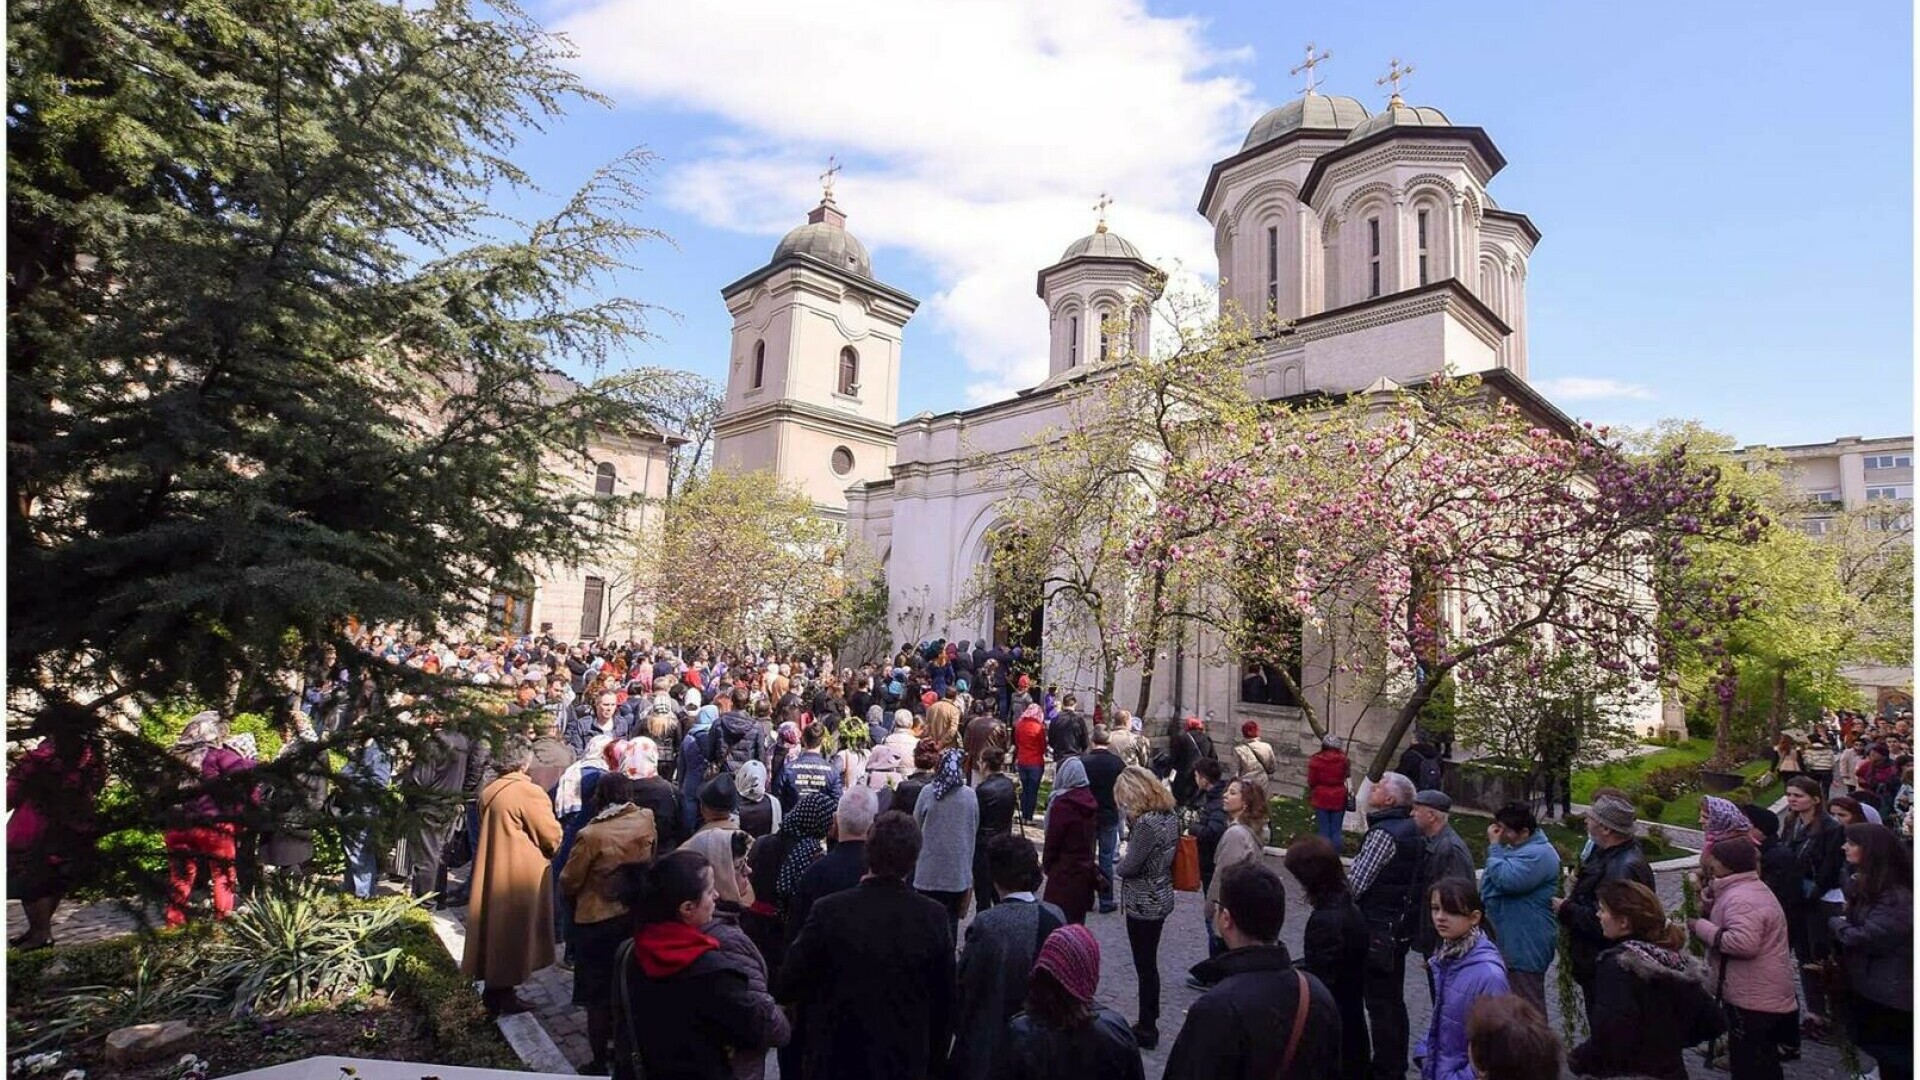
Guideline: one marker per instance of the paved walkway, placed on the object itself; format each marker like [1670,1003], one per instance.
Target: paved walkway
[82,924]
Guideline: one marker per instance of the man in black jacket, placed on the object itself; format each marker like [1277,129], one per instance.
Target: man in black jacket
[872,970]
[1250,1025]
[1615,857]
[1103,768]
[1383,880]
[1067,733]
[844,864]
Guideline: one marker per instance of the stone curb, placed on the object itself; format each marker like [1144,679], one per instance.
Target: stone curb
[523,1031]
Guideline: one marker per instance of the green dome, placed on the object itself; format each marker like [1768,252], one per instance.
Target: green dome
[1316,112]
[1399,115]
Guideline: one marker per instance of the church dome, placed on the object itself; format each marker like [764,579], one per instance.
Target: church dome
[1102,244]
[1399,114]
[828,242]
[1317,112]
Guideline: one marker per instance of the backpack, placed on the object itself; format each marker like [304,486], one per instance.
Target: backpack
[725,751]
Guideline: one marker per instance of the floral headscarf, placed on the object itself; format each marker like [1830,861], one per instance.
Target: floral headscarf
[949,775]
[566,793]
[790,733]
[804,829]
[641,758]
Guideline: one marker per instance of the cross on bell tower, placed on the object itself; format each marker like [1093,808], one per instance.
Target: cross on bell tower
[1101,209]
[1309,64]
[826,178]
[1394,74]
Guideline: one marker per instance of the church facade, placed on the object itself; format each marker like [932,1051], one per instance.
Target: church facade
[1370,238]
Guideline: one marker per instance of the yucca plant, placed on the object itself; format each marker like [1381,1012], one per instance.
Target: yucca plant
[298,942]
[158,990]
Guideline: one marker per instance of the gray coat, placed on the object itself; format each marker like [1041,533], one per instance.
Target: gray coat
[1001,944]
[1876,944]
[948,828]
[1446,856]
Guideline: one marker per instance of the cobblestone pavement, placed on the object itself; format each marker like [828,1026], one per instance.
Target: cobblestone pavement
[82,924]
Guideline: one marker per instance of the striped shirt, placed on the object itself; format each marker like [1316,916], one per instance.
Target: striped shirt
[1147,867]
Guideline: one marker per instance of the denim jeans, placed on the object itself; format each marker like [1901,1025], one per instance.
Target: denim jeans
[1109,838]
[1326,825]
[362,862]
[1029,788]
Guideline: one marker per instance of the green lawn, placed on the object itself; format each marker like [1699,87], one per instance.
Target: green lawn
[1627,774]
[1684,811]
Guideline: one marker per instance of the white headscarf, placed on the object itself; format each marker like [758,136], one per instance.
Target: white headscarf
[566,793]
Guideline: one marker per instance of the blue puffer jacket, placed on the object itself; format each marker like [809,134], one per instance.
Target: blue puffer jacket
[1518,886]
[1457,984]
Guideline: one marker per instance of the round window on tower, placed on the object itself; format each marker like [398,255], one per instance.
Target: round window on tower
[842,461]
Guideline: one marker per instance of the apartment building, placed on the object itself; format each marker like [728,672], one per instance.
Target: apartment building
[1850,473]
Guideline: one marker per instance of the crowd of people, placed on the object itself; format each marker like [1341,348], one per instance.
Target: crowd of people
[754,856]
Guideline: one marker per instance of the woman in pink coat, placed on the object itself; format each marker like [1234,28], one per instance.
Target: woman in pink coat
[1748,962]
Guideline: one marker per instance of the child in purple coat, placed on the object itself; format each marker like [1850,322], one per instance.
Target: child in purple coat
[1467,966]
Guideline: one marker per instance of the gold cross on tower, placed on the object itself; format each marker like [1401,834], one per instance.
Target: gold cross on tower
[1309,64]
[1101,209]
[1394,74]
[826,179]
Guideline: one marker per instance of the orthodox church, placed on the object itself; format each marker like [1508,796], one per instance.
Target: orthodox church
[1370,237]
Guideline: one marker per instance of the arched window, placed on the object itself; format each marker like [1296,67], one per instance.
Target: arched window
[1106,335]
[1373,257]
[849,371]
[603,478]
[1420,228]
[1273,271]
[1073,341]
[759,364]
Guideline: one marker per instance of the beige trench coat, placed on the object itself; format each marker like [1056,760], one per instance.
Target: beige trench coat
[510,913]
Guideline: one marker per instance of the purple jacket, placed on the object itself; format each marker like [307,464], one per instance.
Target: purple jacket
[1457,984]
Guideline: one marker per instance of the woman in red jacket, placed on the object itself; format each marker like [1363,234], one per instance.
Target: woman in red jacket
[1327,789]
[1030,757]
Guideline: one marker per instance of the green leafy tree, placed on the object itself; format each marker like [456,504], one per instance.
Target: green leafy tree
[274,364]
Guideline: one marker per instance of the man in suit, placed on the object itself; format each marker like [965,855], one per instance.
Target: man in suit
[1002,942]
[872,970]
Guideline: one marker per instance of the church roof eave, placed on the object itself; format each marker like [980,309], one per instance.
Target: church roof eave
[1474,136]
[1524,222]
[1220,167]
[821,265]
[1040,279]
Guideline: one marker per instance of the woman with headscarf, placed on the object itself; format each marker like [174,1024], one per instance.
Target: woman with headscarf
[206,828]
[879,726]
[903,740]
[776,862]
[639,760]
[293,803]
[760,812]
[948,813]
[726,851]
[1073,875]
[786,746]
[885,770]
[572,804]
[1029,757]
[693,767]
[619,834]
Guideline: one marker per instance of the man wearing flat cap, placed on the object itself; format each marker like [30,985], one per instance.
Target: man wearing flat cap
[1615,857]
[1445,856]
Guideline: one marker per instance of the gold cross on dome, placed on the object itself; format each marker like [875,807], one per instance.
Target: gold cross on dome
[1394,74]
[826,179]
[1101,209]
[1309,64]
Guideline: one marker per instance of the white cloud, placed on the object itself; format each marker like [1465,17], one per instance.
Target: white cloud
[1583,388]
[976,135]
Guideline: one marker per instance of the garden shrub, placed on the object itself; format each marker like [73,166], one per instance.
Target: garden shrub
[1649,806]
[1671,781]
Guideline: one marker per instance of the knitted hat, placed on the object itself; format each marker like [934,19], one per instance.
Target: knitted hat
[1072,957]
[1023,682]
[1614,812]
[1761,818]
[1737,854]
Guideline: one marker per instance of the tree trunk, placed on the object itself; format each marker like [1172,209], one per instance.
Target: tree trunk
[1779,718]
[1146,686]
[1723,727]
[1155,626]
[1383,757]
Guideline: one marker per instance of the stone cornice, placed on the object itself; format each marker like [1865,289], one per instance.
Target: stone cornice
[818,266]
[1447,295]
[1474,137]
[807,415]
[1297,137]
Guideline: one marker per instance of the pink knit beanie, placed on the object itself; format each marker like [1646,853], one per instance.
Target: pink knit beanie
[1072,957]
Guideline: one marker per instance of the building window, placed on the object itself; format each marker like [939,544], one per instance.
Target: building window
[1421,222]
[1106,339]
[842,461]
[593,602]
[1902,491]
[1826,497]
[1890,522]
[759,364]
[1373,256]
[1073,341]
[1273,270]
[1816,526]
[1890,461]
[603,478]
[849,371]
[1260,676]
[510,606]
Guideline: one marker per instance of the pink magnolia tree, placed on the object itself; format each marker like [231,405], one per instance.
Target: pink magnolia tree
[1422,532]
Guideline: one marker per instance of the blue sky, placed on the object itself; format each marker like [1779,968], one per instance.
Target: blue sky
[1726,190]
